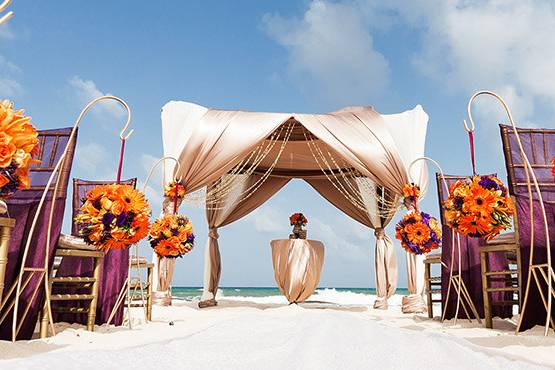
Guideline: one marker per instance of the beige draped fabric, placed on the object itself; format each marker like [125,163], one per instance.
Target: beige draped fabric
[210,142]
[414,302]
[384,257]
[233,208]
[297,266]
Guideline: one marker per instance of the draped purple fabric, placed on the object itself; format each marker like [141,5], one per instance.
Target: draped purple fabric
[114,268]
[535,313]
[23,207]
[539,146]
[470,266]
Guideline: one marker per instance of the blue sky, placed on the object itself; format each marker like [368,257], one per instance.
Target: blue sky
[293,56]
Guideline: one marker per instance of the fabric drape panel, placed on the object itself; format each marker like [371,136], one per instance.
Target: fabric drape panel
[326,189]
[232,209]
[535,313]
[297,267]
[384,258]
[361,136]
[24,212]
[414,302]
[220,140]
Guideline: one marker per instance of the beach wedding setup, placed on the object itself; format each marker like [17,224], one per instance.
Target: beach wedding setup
[479,266]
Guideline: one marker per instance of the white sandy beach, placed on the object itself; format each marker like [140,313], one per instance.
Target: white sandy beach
[266,333]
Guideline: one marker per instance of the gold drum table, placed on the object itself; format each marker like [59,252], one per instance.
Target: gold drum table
[297,267]
[6,226]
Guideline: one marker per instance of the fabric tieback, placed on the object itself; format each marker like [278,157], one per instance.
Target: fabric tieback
[213,233]
[379,233]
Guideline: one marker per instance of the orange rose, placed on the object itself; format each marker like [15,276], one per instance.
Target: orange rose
[7,150]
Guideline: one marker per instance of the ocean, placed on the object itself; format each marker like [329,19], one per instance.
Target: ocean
[273,295]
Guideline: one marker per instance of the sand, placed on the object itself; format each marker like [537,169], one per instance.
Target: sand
[266,333]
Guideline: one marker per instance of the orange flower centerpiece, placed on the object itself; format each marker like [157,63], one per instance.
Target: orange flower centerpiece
[18,144]
[172,236]
[479,207]
[417,231]
[114,217]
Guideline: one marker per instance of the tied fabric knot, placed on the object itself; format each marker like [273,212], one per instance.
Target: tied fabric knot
[379,233]
[213,233]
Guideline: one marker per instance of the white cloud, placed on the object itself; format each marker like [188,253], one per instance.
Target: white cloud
[86,90]
[338,240]
[505,45]
[90,158]
[268,218]
[331,53]
[9,87]
[501,45]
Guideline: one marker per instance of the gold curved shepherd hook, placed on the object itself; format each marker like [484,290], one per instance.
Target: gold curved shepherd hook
[163,160]
[134,249]
[59,165]
[446,186]
[9,14]
[529,174]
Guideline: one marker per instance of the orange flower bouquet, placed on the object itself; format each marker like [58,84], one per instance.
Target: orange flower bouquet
[418,232]
[174,190]
[114,217]
[479,207]
[18,144]
[172,236]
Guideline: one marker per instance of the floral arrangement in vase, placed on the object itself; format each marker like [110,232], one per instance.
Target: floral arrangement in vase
[18,145]
[418,232]
[479,207]
[298,221]
[114,217]
[172,236]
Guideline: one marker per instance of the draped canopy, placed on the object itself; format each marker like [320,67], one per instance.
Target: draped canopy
[376,150]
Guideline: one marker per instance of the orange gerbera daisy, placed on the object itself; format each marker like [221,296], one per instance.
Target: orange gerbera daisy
[132,199]
[479,200]
[475,225]
[417,233]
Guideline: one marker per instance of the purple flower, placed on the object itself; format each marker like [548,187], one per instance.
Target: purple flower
[487,183]
[121,220]
[458,202]
[191,237]
[108,218]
